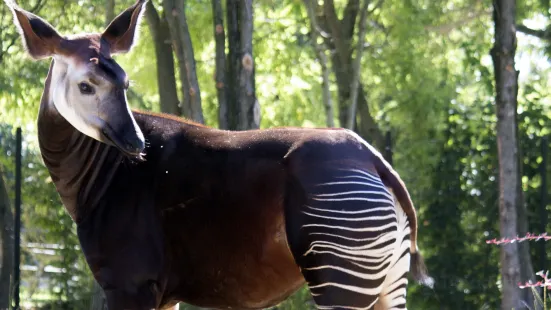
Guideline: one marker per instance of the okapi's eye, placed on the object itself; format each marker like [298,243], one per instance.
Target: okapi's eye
[85,89]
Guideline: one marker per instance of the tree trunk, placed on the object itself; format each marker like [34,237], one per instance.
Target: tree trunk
[338,44]
[166,80]
[109,11]
[341,60]
[368,127]
[326,92]
[356,65]
[244,110]
[322,58]
[232,62]
[220,66]
[249,116]
[6,246]
[525,261]
[177,23]
[510,202]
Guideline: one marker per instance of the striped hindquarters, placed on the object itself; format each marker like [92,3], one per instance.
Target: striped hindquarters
[353,238]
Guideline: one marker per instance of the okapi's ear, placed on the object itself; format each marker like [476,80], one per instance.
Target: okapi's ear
[40,39]
[122,32]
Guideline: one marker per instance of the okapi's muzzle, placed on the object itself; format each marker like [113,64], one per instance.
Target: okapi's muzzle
[130,141]
[119,127]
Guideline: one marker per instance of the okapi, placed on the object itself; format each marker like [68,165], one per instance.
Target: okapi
[168,210]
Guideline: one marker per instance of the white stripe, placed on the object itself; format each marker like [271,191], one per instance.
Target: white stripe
[365,276]
[355,212]
[354,198]
[380,261]
[367,291]
[344,307]
[386,238]
[354,229]
[354,182]
[365,267]
[373,259]
[367,252]
[375,177]
[370,175]
[394,285]
[386,194]
[376,181]
[348,238]
[397,301]
[373,218]
[352,251]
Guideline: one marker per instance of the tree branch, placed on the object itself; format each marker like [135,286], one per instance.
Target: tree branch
[356,67]
[368,127]
[542,34]
[447,28]
[5,50]
[133,95]
[336,34]
[349,19]
[37,6]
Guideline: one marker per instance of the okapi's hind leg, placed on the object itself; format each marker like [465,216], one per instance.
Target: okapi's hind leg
[348,237]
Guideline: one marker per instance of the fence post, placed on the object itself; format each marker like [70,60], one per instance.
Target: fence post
[543,204]
[17,224]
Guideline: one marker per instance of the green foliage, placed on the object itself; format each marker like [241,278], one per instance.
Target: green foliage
[428,79]
[48,233]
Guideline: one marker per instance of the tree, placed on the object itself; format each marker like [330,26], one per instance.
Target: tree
[220,63]
[339,35]
[166,78]
[177,23]
[243,107]
[510,197]
[322,59]
[6,245]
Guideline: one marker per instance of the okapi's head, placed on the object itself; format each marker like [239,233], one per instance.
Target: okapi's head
[88,87]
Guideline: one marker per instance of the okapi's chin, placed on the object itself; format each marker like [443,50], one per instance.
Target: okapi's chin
[132,147]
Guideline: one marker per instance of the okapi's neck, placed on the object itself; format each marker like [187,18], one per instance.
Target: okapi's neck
[74,160]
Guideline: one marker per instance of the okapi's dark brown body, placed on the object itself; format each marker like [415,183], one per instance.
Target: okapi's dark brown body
[203,216]
[201,220]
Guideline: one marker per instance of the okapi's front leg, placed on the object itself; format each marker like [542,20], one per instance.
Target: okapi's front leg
[348,235]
